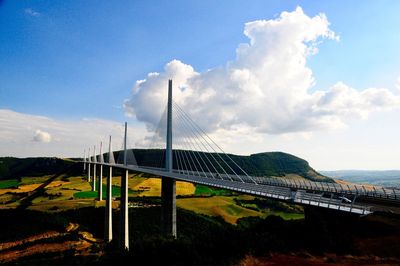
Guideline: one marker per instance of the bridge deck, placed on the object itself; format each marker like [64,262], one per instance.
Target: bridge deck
[331,196]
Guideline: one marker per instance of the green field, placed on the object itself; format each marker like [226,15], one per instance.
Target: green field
[115,191]
[9,184]
[64,187]
[229,208]
[63,192]
[202,190]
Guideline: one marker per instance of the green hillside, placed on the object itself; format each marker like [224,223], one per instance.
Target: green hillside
[281,164]
[15,168]
[267,164]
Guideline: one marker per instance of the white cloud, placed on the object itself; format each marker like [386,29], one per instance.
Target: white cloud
[31,12]
[41,136]
[398,84]
[68,138]
[265,89]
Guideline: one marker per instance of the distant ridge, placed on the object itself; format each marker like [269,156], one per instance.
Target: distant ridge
[387,178]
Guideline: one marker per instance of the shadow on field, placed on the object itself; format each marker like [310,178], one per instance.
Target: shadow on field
[39,191]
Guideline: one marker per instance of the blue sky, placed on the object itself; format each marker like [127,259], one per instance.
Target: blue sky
[80,59]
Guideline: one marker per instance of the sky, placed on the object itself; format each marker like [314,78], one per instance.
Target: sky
[318,79]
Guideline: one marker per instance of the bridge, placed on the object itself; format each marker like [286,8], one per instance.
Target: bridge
[199,160]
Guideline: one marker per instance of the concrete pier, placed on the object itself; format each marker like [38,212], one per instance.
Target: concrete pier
[108,218]
[94,169]
[124,214]
[94,178]
[168,186]
[101,160]
[100,194]
[88,175]
[124,208]
[89,165]
[168,209]
[108,229]
[84,162]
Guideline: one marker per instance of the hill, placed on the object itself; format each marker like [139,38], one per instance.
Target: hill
[269,164]
[15,168]
[277,164]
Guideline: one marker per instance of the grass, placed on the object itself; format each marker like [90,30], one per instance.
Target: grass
[151,187]
[115,192]
[222,206]
[34,179]
[230,210]
[287,215]
[133,180]
[202,190]
[62,205]
[9,183]
[19,189]
[74,192]
[85,194]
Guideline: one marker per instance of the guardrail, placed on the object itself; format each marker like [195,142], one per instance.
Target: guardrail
[330,202]
[347,189]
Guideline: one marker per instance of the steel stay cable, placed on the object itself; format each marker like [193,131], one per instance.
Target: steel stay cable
[187,130]
[184,145]
[223,169]
[216,162]
[228,175]
[195,126]
[191,160]
[194,154]
[199,154]
[202,131]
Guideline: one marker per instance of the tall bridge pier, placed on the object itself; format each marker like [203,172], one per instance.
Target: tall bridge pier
[101,159]
[89,166]
[108,215]
[84,162]
[168,186]
[94,169]
[124,208]
[168,208]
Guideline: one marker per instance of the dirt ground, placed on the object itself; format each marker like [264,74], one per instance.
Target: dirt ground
[49,242]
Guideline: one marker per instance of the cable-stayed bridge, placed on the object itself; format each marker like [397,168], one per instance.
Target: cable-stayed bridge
[181,150]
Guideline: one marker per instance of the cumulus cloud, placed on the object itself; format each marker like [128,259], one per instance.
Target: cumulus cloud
[398,84]
[41,136]
[265,89]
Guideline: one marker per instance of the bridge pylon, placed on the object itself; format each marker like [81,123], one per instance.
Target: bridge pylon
[168,186]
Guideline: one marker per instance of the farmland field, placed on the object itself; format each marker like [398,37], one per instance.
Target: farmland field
[61,214]
[47,193]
